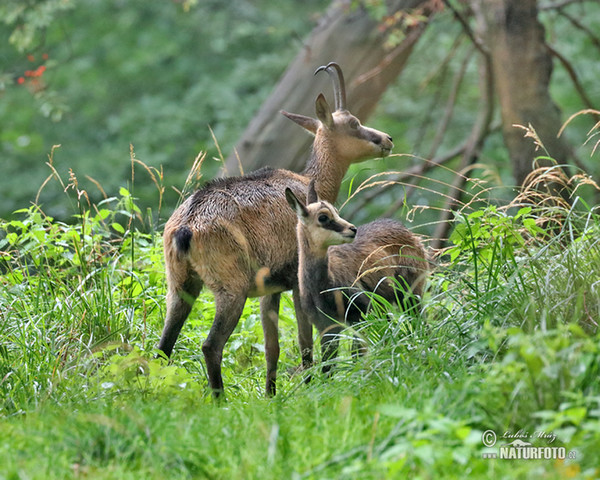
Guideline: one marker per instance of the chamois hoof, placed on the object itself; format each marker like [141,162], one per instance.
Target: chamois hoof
[300,370]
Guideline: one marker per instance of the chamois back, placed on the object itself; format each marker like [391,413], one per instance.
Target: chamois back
[383,256]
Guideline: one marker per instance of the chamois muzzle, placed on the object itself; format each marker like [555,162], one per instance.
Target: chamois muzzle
[352,233]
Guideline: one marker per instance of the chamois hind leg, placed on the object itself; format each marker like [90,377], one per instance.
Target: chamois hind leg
[358,305]
[329,331]
[330,339]
[359,347]
[229,308]
[180,299]
[269,317]
[305,338]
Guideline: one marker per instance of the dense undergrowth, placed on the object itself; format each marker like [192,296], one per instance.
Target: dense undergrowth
[506,341]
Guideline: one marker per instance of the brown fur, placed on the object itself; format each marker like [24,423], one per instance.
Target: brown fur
[237,237]
[333,272]
[383,249]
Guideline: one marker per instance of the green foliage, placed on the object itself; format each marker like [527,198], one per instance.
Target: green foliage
[430,110]
[158,73]
[30,20]
[134,371]
[66,291]
[505,341]
[506,338]
[155,75]
[490,236]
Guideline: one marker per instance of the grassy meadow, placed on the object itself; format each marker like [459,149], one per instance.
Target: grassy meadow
[506,341]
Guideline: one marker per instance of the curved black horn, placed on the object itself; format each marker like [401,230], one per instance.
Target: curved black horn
[339,86]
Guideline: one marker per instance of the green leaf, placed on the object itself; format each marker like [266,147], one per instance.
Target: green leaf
[397,411]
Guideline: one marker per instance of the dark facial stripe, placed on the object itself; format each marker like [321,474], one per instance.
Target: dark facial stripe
[374,137]
[365,134]
[333,225]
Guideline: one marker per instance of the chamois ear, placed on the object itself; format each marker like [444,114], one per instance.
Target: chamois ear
[307,123]
[311,196]
[323,111]
[296,204]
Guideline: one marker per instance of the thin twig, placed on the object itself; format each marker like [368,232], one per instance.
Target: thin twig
[431,108]
[577,24]
[560,4]
[467,29]
[449,110]
[441,73]
[574,78]
[476,139]
[443,66]
[416,170]
[391,57]
[417,173]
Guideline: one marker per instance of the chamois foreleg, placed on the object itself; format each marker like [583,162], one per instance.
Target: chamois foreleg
[180,299]
[305,338]
[228,310]
[269,317]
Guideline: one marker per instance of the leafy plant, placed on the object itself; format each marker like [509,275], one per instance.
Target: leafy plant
[504,339]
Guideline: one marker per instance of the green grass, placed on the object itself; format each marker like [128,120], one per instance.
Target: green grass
[507,341]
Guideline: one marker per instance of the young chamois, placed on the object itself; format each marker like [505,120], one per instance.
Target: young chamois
[237,235]
[334,273]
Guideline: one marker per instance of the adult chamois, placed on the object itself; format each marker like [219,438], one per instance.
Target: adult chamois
[338,263]
[237,235]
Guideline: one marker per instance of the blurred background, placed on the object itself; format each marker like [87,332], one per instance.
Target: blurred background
[109,80]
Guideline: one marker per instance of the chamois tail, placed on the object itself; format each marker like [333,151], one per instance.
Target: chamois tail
[183,239]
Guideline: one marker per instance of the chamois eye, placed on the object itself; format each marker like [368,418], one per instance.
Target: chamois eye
[323,218]
[354,124]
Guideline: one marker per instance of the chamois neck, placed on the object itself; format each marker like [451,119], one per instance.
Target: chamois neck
[314,265]
[308,249]
[315,282]
[327,168]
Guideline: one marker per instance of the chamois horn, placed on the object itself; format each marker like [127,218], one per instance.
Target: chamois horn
[339,86]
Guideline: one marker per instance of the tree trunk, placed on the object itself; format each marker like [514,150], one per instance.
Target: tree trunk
[348,36]
[522,67]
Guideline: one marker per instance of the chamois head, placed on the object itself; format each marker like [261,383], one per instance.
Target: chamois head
[340,130]
[320,225]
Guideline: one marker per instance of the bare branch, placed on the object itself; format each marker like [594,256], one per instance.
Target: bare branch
[441,73]
[449,110]
[560,4]
[416,171]
[443,66]
[471,153]
[391,57]
[574,78]
[469,32]
[577,24]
